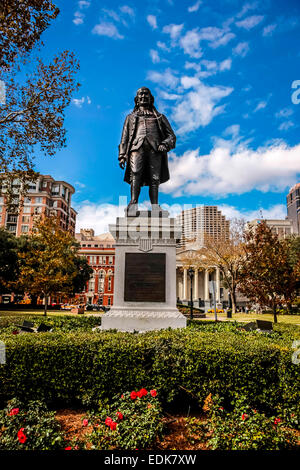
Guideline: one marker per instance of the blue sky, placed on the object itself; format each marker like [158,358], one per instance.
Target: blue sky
[222,72]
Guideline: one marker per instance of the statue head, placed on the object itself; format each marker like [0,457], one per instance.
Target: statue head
[143,98]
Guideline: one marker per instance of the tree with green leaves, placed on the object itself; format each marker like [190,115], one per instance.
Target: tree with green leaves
[268,276]
[34,101]
[8,260]
[50,264]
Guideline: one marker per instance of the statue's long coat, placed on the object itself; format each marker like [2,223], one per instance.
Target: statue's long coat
[168,138]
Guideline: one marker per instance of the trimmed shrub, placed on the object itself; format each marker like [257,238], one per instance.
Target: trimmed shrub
[92,366]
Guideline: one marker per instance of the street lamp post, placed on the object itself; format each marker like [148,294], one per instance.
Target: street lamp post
[191,276]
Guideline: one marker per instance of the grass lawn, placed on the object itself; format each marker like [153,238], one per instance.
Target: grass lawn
[242,317]
[36,312]
[247,317]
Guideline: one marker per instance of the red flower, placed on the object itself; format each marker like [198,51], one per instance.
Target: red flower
[143,392]
[21,436]
[108,421]
[221,408]
[277,420]
[85,422]
[122,396]
[244,416]
[133,395]
[119,415]
[68,448]
[153,393]
[14,412]
[15,332]
[113,425]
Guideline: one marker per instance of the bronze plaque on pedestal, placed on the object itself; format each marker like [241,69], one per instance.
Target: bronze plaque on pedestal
[145,277]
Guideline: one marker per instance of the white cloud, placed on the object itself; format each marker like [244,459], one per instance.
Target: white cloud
[278,211]
[250,22]
[83,4]
[166,78]
[154,56]
[225,64]
[233,168]
[195,7]
[173,30]
[246,8]
[284,113]
[190,43]
[198,107]
[152,21]
[78,102]
[163,46]
[268,30]
[78,18]
[107,29]
[261,105]
[241,49]
[96,216]
[215,37]
[284,126]
[127,10]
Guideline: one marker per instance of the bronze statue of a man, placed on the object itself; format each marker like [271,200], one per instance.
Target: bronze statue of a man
[146,138]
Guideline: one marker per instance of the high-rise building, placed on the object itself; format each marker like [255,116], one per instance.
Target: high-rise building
[200,221]
[45,197]
[293,207]
[282,227]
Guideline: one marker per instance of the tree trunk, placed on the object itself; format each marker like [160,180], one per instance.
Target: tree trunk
[274,312]
[46,305]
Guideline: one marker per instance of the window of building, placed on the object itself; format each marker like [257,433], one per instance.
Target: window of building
[103,259]
[44,184]
[54,203]
[100,301]
[1,209]
[32,187]
[26,210]
[26,219]
[91,285]
[109,283]
[38,200]
[1,200]
[24,228]
[110,260]
[109,301]
[38,210]
[27,200]
[55,189]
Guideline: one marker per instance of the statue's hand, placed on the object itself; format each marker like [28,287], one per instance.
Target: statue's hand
[162,148]
[122,163]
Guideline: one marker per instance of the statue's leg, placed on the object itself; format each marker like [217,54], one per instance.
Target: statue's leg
[154,171]
[136,167]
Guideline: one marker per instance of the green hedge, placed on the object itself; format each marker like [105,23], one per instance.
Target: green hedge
[91,366]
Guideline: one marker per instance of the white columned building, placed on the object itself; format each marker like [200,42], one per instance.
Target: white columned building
[202,297]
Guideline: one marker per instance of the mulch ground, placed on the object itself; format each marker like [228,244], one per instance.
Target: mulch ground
[175,437]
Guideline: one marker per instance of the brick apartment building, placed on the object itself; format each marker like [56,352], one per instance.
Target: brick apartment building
[45,197]
[100,253]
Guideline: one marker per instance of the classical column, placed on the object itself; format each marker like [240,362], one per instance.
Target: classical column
[196,290]
[206,285]
[185,293]
[218,298]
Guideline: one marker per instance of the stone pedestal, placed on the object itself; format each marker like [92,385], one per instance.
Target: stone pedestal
[145,273]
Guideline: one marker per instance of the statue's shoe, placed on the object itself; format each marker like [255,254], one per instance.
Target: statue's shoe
[132,208]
